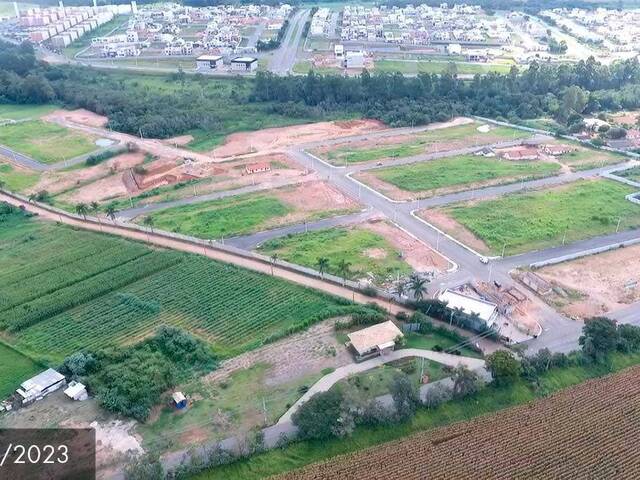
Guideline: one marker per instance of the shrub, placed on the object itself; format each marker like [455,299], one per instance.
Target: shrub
[326,414]
[504,367]
[405,397]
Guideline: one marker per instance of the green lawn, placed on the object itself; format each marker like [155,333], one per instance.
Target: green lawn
[15,368]
[24,112]
[529,221]
[487,401]
[631,174]
[226,217]
[425,142]
[45,142]
[367,252]
[17,180]
[63,290]
[427,341]
[460,171]
[415,67]
[375,382]
[586,158]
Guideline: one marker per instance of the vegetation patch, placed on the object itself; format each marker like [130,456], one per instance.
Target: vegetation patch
[226,217]
[461,68]
[528,221]
[15,179]
[42,141]
[63,290]
[462,170]
[24,112]
[15,368]
[363,251]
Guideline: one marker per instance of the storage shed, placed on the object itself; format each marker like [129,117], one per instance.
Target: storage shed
[40,386]
[179,400]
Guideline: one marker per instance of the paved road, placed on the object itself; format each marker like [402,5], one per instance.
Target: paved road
[250,242]
[326,382]
[28,162]
[284,58]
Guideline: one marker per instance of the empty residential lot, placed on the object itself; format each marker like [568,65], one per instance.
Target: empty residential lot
[249,213]
[528,221]
[452,174]
[459,133]
[597,284]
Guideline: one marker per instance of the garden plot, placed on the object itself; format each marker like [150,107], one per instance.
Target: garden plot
[376,251]
[595,285]
[453,174]
[439,137]
[522,222]
[250,213]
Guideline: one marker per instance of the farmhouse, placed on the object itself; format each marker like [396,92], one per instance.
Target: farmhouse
[244,64]
[520,153]
[556,150]
[486,311]
[375,340]
[257,167]
[208,62]
[40,386]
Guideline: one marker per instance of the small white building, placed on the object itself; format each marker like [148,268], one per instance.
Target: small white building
[354,59]
[244,64]
[486,311]
[454,49]
[76,391]
[375,340]
[40,386]
[338,50]
[208,62]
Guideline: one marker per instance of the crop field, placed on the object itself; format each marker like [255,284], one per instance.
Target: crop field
[588,431]
[15,368]
[64,290]
[429,141]
[43,141]
[528,221]
[460,171]
[221,218]
[415,67]
[367,252]
[23,112]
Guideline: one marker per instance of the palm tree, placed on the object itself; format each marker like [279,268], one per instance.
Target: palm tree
[94,206]
[82,209]
[418,285]
[343,268]
[32,197]
[111,213]
[322,263]
[274,259]
[400,289]
[148,221]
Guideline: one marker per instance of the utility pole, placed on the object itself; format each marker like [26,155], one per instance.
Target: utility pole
[618,226]
[264,408]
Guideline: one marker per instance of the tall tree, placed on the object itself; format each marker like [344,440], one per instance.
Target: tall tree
[322,263]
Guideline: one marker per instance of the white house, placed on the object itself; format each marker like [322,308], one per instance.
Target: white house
[486,311]
[244,64]
[208,62]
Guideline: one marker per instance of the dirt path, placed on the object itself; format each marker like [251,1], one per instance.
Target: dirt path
[223,256]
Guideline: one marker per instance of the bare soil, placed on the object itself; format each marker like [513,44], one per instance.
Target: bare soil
[82,116]
[179,141]
[274,139]
[293,357]
[600,281]
[449,225]
[420,256]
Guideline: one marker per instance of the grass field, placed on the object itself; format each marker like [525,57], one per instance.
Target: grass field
[415,67]
[529,221]
[367,252]
[17,180]
[428,141]
[486,401]
[23,112]
[44,141]
[102,31]
[461,170]
[221,218]
[427,341]
[63,290]
[631,173]
[15,368]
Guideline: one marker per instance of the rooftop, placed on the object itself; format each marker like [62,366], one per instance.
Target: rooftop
[467,304]
[380,335]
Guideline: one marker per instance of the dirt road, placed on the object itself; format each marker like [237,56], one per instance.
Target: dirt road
[223,256]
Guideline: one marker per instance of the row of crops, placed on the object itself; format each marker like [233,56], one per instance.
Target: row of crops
[63,290]
[588,431]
